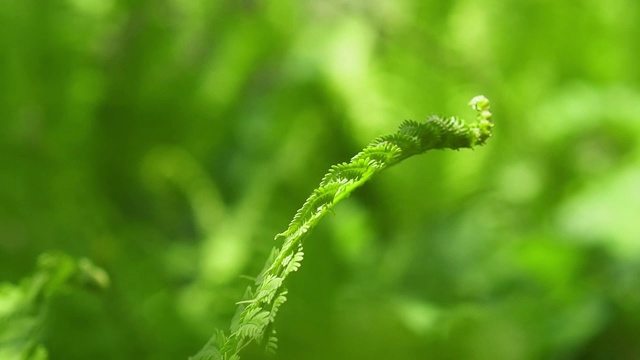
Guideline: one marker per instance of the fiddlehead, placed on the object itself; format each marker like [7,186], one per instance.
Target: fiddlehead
[256,315]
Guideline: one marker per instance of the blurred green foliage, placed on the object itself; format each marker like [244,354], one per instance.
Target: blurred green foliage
[168,141]
[23,307]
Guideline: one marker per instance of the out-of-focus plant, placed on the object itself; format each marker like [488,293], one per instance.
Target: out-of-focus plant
[23,306]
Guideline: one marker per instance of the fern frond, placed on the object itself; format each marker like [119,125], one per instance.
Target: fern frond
[253,323]
[257,312]
[295,262]
[267,290]
[345,171]
[272,344]
[281,299]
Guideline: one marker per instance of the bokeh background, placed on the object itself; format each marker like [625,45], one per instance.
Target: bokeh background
[170,140]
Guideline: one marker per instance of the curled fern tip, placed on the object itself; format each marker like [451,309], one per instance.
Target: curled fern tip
[256,314]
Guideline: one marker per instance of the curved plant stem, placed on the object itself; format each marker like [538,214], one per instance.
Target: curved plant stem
[256,314]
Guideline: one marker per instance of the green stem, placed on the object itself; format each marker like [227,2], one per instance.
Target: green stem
[256,315]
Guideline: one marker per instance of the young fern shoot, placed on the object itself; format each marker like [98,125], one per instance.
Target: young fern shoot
[256,314]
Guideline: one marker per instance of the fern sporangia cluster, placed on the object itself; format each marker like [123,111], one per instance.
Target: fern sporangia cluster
[254,319]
